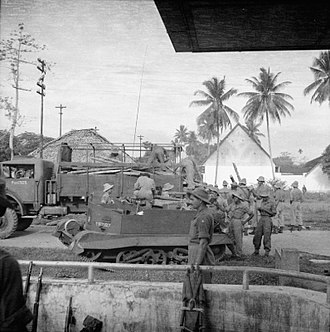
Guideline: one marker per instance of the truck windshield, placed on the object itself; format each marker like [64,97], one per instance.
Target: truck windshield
[17,171]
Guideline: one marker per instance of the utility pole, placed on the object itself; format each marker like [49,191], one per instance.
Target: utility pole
[60,107]
[42,87]
[140,137]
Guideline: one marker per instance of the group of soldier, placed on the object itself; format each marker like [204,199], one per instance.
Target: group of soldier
[237,208]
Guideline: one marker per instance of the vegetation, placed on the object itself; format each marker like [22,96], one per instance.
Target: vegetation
[23,144]
[13,51]
[216,113]
[321,84]
[253,130]
[266,102]
[325,161]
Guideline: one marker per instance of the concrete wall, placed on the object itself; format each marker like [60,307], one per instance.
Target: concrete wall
[146,306]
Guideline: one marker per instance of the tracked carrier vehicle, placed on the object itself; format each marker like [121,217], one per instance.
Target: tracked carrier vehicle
[119,234]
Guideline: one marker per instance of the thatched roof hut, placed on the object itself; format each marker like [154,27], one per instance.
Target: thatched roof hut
[87,146]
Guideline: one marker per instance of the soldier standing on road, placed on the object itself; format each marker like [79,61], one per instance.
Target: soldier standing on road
[201,232]
[296,198]
[239,214]
[278,220]
[267,210]
[14,314]
[261,187]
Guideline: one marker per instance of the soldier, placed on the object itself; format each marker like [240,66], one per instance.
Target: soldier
[158,156]
[145,188]
[201,232]
[239,214]
[190,171]
[278,220]
[267,210]
[261,187]
[296,198]
[14,314]
[224,191]
[107,191]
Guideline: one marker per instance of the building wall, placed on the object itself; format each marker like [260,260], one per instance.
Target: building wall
[317,181]
[248,156]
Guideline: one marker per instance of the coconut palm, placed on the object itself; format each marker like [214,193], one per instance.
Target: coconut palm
[253,130]
[321,84]
[266,102]
[181,134]
[193,143]
[213,100]
[206,130]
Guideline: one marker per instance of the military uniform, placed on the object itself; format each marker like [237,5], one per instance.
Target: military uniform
[296,198]
[264,227]
[278,220]
[14,314]
[144,187]
[261,188]
[236,213]
[201,227]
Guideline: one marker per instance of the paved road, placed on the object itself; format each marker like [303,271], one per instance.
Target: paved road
[313,241]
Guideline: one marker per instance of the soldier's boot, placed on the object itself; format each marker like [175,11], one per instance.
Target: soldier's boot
[299,228]
[256,253]
[281,229]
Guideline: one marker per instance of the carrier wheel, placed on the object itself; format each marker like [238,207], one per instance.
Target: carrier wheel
[8,223]
[23,224]
[90,255]
[219,252]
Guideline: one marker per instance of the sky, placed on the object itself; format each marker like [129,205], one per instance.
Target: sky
[115,69]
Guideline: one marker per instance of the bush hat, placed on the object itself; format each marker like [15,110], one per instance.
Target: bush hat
[261,179]
[264,194]
[225,183]
[107,186]
[235,194]
[201,194]
[295,184]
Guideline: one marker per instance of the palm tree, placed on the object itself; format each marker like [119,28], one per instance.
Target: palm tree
[206,130]
[181,134]
[214,100]
[192,147]
[253,130]
[266,102]
[321,84]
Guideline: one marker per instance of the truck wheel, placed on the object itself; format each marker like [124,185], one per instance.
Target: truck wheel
[23,224]
[8,224]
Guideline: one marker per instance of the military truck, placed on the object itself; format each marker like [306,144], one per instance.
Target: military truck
[37,187]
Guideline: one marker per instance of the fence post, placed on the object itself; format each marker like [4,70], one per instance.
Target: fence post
[246,280]
[90,274]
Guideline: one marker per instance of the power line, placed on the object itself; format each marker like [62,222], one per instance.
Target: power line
[60,107]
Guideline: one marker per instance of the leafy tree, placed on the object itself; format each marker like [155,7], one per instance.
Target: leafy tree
[267,102]
[206,129]
[181,134]
[213,100]
[253,130]
[284,159]
[325,161]
[14,51]
[193,144]
[321,84]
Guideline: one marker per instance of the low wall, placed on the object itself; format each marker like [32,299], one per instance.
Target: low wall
[146,306]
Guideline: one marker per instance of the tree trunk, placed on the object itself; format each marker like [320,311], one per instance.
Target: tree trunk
[270,147]
[217,161]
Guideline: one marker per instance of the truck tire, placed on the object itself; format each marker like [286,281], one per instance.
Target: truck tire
[8,224]
[23,224]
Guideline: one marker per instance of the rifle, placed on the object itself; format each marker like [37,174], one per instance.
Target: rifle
[69,319]
[36,303]
[27,281]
